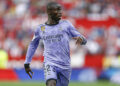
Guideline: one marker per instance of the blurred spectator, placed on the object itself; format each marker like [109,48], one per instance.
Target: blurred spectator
[3,59]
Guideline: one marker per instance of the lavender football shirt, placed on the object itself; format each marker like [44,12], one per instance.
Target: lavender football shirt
[56,43]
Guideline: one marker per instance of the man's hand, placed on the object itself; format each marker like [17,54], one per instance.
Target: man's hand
[28,70]
[80,41]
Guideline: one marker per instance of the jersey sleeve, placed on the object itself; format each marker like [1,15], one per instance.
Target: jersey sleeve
[72,31]
[33,46]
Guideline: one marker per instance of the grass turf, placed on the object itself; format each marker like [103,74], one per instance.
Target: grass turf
[99,83]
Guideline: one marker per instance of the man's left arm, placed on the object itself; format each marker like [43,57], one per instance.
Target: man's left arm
[80,39]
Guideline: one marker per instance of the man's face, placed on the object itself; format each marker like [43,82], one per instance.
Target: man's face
[55,12]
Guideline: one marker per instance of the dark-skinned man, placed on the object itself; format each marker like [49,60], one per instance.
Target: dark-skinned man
[56,34]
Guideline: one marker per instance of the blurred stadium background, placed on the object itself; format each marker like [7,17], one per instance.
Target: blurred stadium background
[97,63]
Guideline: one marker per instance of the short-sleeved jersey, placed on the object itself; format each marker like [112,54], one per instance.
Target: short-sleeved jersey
[56,43]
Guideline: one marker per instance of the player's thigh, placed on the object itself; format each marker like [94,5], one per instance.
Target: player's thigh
[62,80]
[64,77]
[49,72]
[51,82]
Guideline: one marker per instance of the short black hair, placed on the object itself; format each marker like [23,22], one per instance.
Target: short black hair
[51,4]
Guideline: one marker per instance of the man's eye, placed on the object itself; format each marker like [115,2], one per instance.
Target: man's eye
[59,8]
[50,9]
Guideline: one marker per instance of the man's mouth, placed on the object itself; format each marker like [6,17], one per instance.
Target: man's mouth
[57,17]
[60,15]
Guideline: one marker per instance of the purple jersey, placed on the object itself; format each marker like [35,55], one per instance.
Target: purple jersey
[56,43]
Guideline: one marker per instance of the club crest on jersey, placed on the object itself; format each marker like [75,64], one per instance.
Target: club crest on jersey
[43,28]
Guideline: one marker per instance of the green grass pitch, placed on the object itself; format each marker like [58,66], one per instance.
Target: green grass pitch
[99,83]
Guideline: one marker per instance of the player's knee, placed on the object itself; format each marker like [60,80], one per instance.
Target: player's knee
[51,82]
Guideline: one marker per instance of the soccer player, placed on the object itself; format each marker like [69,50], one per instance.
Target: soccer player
[56,34]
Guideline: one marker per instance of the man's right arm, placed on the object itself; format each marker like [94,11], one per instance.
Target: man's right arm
[31,50]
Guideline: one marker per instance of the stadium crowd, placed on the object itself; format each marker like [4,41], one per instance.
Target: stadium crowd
[18,19]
